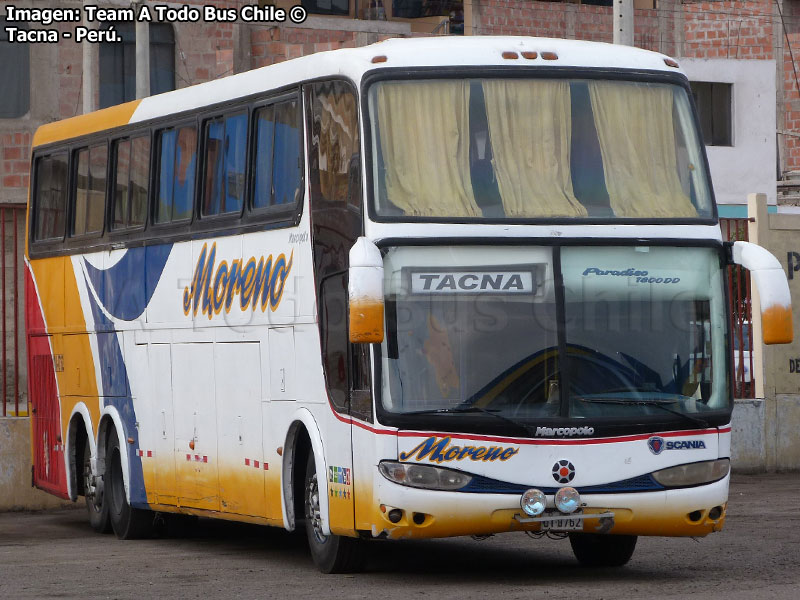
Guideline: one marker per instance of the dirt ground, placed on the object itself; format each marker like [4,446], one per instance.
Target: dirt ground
[55,554]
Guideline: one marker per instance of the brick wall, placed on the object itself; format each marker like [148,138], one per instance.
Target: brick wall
[692,29]
[68,73]
[729,29]
[14,161]
[522,17]
[276,44]
[791,99]
[204,51]
[718,29]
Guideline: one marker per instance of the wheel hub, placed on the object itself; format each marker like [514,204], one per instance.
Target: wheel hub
[313,511]
[92,486]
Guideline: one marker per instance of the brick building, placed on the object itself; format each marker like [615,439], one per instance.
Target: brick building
[758,30]
[741,53]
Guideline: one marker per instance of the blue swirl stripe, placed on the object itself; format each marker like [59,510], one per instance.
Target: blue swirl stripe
[119,288]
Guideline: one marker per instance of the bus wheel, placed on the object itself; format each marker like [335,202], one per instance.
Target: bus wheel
[96,505]
[331,553]
[598,550]
[128,523]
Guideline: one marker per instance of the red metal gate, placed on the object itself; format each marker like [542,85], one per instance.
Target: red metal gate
[12,347]
[741,314]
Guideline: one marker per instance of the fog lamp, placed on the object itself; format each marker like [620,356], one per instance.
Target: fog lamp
[533,502]
[567,500]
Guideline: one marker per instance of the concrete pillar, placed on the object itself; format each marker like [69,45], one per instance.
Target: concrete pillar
[89,67]
[16,491]
[623,22]
[757,232]
[142,59]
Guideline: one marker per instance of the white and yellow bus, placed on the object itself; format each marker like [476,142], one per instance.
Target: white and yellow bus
[424,288]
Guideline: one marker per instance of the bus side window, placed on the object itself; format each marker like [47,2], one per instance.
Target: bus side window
[177,162]
[335,163]
[335,185]
[333,321]
[225,148]
[131,173]
[360,393]
[278,167]
[51,197]
[90,189]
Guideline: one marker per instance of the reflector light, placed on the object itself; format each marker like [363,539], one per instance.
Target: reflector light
[549,56]
[379,59]
[510,55]
[530,55]
[671,63]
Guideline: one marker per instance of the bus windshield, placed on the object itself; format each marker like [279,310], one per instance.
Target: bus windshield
[476,330]
[536,148]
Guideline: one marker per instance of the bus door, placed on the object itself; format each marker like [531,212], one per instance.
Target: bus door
[338,442]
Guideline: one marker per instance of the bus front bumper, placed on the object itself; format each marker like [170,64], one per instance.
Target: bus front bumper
[404,512]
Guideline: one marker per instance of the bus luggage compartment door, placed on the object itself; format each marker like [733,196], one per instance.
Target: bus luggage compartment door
[194,398]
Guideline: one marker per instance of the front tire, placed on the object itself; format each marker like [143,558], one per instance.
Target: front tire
[128,523]
[331,553]
[93,490]
[600,550]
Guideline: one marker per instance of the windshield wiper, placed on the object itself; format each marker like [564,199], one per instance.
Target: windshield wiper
[659,403]
[472,409]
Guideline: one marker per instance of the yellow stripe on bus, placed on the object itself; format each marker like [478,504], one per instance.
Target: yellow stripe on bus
[61,305]
[114,116]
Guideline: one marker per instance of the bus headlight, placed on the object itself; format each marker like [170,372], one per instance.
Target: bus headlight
[693,473]
[423,476]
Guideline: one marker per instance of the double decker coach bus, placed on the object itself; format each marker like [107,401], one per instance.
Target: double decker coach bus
[419,289]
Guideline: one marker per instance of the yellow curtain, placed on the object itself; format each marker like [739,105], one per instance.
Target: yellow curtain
[637,141]
[424,138]
[530,126]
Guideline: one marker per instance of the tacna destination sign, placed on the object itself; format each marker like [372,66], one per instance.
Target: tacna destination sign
[473,282]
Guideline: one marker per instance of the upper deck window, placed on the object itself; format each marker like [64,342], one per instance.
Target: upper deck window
[132,181]
[225,149]
[277,155]
[334,154]
[51,196]
[536,148]
[177,163]
[90,189]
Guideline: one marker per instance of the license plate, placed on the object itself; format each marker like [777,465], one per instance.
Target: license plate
[563,525]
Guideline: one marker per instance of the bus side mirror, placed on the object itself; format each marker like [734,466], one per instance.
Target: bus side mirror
[365,293]
[773,291]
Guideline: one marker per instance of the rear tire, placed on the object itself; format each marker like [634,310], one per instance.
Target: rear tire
[93,490]
[128,523]
[331,553]
[600,550]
